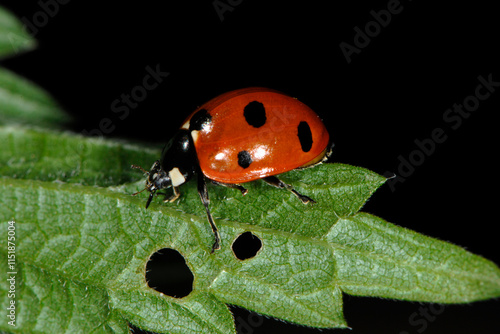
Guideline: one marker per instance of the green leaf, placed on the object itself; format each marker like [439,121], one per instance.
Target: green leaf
[49,303]
[394,262]
[13,36]
[81,249]
[22,102]
[37,154]
[77,242]
[72,238]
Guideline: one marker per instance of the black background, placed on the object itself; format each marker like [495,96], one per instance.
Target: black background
[393,92]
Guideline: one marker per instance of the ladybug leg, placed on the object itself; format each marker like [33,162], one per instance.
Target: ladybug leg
[203,192]
[275,182]
[244,191]
[174,197]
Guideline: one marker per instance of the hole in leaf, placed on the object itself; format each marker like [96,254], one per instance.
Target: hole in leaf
[168,273]
[137,330]
[246,246]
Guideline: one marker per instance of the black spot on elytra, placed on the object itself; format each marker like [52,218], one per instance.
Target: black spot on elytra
[246,246]
[305,136]
[244,159]
[199,120]
[168,273]
[255,114]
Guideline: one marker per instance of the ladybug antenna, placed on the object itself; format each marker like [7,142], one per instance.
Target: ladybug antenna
[145,188]
[140,191]
[140,168]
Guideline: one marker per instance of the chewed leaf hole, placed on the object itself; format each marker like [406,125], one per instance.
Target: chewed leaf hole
[168,273]
[246,246]
[137,330]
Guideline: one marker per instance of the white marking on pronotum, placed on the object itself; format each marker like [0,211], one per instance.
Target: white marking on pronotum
[194,135]
[185,126]
[176,177]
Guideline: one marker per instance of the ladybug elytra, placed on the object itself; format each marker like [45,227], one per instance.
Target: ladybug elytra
[238,137]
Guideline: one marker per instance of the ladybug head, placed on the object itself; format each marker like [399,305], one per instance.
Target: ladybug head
[157,179]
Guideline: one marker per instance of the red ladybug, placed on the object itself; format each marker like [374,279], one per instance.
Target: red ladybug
[237,137]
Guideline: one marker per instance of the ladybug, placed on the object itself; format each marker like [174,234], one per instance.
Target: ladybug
[240,136]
